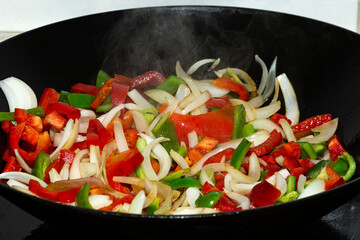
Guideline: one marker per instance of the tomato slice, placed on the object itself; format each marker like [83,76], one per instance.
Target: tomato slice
[218,124]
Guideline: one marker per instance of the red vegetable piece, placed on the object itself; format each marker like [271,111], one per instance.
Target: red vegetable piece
[48,97]
[264,194]
[119,89]
[207,187]
[218,124]
[6,126]
[151,78]
[217,102]
[64,156]
[12,165]
[21,115]
[334,178]
[104,91]
[311,122]
[271,168]
[35,187]
[335,148]
[68,196]
[273,141]
[306,163]
[227,205]
[69,111]
[292,149]
[30,135]
[131,136]
[56,120]
[85,89]
[276,118]
[218,157]
[228,83]
[97,134]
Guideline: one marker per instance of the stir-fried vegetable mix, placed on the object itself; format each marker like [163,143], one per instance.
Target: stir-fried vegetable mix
[174,145]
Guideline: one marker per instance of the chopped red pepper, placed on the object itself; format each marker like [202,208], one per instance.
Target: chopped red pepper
[131,136]
[6,126]
[64,156]
[119,89]
[311,122]
[30,135]
[12,165]
[68,196]
[264,194]
[276,118]
[217,102]
[271,168]
[292,149]
[228,152]
[55,119]
[97,134]
[334,178]
[227,205]
[273,141]
[85,89]
[228,83]
[22,116]
[48,97]
[35,187]
[79,145]
[335,148]
[207,187]
[104,91]
[69,111]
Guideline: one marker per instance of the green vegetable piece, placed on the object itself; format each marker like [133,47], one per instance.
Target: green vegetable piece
[248,129]
[239,122]
[154,205]
[102,77]
[291,196]
[38,111]
[352,166]
[240,153]
[140,144]
[319,148]
[291,184]
[171,84]
[63,97]
[140,172]
[308,149]
[184,183]
[80,100]
[340,166]
[82,197]
[316,169]
[182,150]
[165,128]
[104,108]
[175,175]
[7,116]
[41,163]
[208,200]
[263,175]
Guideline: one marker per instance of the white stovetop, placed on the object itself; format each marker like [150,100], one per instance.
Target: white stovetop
[23,15]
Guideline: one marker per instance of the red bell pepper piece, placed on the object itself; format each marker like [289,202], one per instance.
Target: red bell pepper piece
[63,108]
[276,118]
[228,83]
[335,148]
[55,119]
[264,194]
[64,156]
[119,89]
[225,204]
[6,126]
[34,121]
[48,97]
[151,78]
[30,135]
[219,179]
[79,145]
[104,91]
[273,141]
[85,89]
[311,122]
[334,178]
[207,187]
[35,187]
[271,168]
[306,163]
[97,134]
[68,196]
[218,124]
[218,157]
[122,164]
[218,102]
[12,165]
[131,136]
[292,149]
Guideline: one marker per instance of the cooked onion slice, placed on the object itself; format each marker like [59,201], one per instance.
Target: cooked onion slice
[140,122]
[109,116]
[182,92]
[238,175]
[198,64]
[18,94]
[267,125]
[160,96]
[326,131]
[138,99]
[22,162]
[204,85]
[315,187]
[241,200]
[290,136]
[75,166]
[291,103]
[265,75]
[120,137]
[22,177]
[199,101]
[271,81]
[192,194]
[179,159]
[98,201]
[254,167]
[268,111]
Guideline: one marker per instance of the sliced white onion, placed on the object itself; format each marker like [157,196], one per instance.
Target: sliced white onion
[193,211]
[277,90]
[98,201]
[192,194]
[106,118]
[238,175]
[204,85]
[22,162]
[137,203]
[281,183]
[301,183]
[133,106]
[120,137]
[292,111]
[85,116]
[75,166]
[198,64]
[290,136]
[64,172]
[182,92]
[265,75]
[160,96]
[268,111]
[254,167]
[192,139]
[22,177]
[18,94]
[140,122]
[271,81]
[268,125]
[326,131]
[257,101]
[315,187]
[187,100]
[198,102]
[88,169]
[138,99]
[280,160]
[240,200]
[179,159]
[13,182]
[249,109]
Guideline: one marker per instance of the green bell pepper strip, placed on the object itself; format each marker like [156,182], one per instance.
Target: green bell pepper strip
[208,200]
[154,205]
[63,97]
[183,183]
[104,108]
[38,111]
[102,77]
[291,196]
[248,129]
[175,175]
[165,128]
[340,166]
[316,169]
[42,161]
[82,197]
[182,151]
[80,100]
[239,122]
[352,166]
[239,153]
[291,184]
[307,150]
[319,148]
[263,175]
[171,84]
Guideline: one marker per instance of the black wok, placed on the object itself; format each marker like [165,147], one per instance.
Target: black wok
[321,60]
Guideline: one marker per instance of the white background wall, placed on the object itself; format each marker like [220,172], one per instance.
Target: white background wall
[23,15]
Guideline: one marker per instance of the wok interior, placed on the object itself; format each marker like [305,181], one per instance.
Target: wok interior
[322,61]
